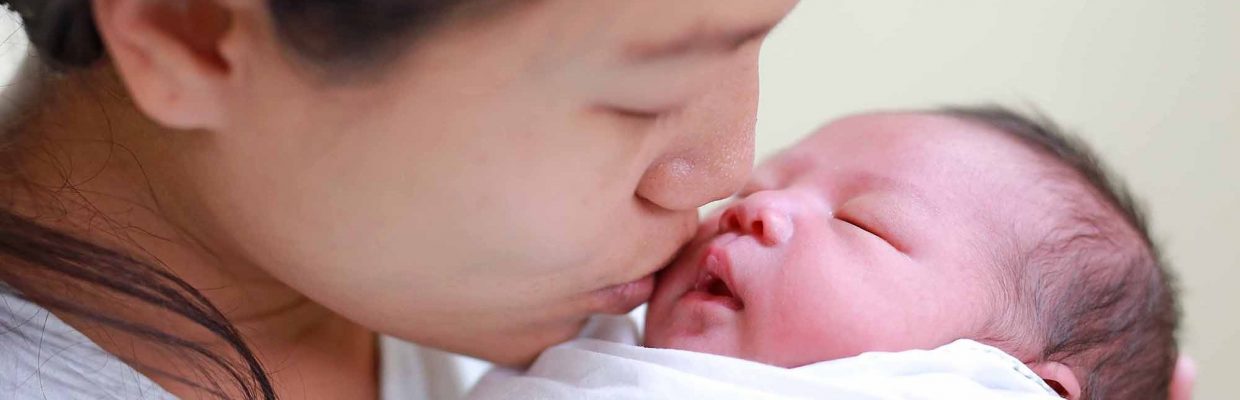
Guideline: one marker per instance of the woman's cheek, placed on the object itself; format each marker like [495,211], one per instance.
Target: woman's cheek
[552,227]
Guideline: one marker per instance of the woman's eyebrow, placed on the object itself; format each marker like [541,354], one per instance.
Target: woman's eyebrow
[702,38]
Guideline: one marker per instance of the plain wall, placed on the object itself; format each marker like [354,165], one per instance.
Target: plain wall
[1152,84]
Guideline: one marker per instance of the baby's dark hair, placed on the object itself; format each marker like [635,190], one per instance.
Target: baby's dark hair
[1094,288]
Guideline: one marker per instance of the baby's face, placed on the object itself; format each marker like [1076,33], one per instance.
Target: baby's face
[878,233]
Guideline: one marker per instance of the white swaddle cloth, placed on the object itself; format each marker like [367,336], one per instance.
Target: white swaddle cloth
[606,364]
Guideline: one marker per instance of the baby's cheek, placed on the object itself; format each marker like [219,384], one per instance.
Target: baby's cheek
[797,332]
[815,313]
[823,340]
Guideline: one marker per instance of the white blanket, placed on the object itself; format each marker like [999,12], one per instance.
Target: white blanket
[606,364]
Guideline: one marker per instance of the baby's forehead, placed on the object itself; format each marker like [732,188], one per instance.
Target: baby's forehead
[908,132]
[897,142]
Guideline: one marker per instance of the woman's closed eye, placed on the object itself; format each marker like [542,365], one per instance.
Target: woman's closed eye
[636,113]
[630,119]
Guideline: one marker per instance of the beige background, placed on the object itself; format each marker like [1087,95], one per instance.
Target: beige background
[1152,83]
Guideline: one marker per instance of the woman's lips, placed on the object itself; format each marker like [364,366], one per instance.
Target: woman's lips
[624,297]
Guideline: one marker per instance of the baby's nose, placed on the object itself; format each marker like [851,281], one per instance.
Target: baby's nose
[762,215]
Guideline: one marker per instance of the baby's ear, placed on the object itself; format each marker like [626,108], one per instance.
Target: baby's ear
[1059,377]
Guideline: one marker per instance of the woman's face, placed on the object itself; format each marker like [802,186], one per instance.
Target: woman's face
[512,173]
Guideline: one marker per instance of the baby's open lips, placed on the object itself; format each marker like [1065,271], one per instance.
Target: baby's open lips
[716,289]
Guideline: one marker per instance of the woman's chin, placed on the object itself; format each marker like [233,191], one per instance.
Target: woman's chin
[519,349]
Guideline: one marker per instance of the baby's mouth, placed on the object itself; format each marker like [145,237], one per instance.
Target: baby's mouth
[716,289]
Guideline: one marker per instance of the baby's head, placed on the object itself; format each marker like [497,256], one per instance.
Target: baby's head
[890,232]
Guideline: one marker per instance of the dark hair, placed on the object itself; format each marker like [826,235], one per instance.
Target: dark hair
[332,33]
[328,32]
[1095,286]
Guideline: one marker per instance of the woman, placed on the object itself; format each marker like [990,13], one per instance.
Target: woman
[234,196]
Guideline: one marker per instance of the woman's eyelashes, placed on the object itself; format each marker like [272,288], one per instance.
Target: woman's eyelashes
[636,113]
[628,118]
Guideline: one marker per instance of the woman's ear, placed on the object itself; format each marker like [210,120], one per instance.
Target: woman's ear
[1184,378]
[1059,377]
[168,54]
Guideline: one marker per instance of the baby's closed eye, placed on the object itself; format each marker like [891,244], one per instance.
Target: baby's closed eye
[864,226]
[887,217]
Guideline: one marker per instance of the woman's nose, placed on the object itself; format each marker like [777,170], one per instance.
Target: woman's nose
[711,142]
[764,215]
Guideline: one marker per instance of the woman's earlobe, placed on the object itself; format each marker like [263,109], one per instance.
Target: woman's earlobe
[1059,377]
[169,57]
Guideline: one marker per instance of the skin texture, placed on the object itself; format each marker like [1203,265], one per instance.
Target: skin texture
[864,237]
[509,175]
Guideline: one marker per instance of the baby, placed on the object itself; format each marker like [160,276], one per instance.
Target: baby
[912,231]
[891,232]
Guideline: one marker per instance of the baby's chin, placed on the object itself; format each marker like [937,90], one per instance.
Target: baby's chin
[728,343]
[669,328]
[713,341]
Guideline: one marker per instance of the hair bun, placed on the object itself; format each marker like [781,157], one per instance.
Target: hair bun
[63,31]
